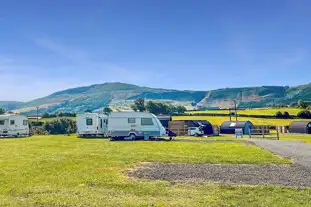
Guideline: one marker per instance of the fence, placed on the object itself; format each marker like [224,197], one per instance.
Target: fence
[264,132]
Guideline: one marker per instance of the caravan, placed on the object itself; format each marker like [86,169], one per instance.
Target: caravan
[131,125]
[12,125]
[92,124]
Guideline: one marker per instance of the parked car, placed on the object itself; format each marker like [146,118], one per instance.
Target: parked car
[195,131]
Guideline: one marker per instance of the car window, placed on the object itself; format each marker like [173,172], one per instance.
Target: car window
[2,122]
[12,122]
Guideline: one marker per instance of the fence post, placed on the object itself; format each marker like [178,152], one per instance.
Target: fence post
[277,134]
[263,132]
[250,133]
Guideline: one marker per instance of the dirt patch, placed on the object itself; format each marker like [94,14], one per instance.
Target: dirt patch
[284,175]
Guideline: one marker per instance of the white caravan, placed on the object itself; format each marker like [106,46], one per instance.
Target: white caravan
[12,125]
[91,124]
[131,125]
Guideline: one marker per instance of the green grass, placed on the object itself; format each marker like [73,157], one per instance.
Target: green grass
[302,137]
[259,111]
[67,171]
[218,120]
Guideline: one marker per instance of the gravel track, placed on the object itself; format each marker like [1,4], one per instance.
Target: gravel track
[298,151]
[283,175]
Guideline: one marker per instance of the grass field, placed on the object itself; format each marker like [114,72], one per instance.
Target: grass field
[218,120]
[259,111]
[67,171]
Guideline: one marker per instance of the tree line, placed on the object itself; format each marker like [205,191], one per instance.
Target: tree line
[157,107]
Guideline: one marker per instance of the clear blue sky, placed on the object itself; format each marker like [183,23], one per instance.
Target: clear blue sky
[46,46]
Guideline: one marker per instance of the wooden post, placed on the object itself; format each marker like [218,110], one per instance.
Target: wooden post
[250,133]
[277,134]
[263,132]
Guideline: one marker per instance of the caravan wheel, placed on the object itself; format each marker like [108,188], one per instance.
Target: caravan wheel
[132,136]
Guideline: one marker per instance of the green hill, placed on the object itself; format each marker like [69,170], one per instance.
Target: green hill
[121,95]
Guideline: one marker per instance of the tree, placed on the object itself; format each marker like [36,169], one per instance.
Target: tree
[309,107]
[163,108]
[107,110]
[305,114]
[139,105]
[302,104]
[60,126]
[286,115]
[278,114]
[2,111]
[181,109]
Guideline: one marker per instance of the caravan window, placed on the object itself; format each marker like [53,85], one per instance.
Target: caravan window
[146,121]
[131,120]
[89,122]
[12,122]
[25,122]
[2,122]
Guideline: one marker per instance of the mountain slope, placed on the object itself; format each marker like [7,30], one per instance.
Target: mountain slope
[11,105]
[96,96]
[121,95]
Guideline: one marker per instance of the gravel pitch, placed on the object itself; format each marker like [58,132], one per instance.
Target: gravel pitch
[283,175]
[298,151]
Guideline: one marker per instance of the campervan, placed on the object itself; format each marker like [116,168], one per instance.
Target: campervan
[12,125]
[92,124]
[132,125]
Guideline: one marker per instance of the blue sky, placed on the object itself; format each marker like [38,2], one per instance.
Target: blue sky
[46,46]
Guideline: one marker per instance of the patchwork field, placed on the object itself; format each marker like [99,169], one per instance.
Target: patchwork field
[259,111]
[218,120]
[67,171]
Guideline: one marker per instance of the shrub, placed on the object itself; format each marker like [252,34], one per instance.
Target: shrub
[61,126]
[304,114]
[278,114]
[38,131]
[286,115]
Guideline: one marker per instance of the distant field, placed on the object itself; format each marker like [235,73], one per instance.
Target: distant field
[218,120]
[263,111]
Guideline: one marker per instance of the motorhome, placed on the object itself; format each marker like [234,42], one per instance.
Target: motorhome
[132,125]
[92,124]
[12,125]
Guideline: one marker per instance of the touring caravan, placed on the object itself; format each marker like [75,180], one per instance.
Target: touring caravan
[12,125]
[91,124]
[131,125]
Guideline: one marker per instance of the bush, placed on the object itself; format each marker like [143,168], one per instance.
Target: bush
[286,115]
[61,126]
[38,131]
[304,114]
[278,114]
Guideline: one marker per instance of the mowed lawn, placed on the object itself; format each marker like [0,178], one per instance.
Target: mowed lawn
[67,171]
[218,120]
[259,111]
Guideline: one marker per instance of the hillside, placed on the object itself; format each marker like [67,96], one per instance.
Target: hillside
[121,95]
[11,105]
